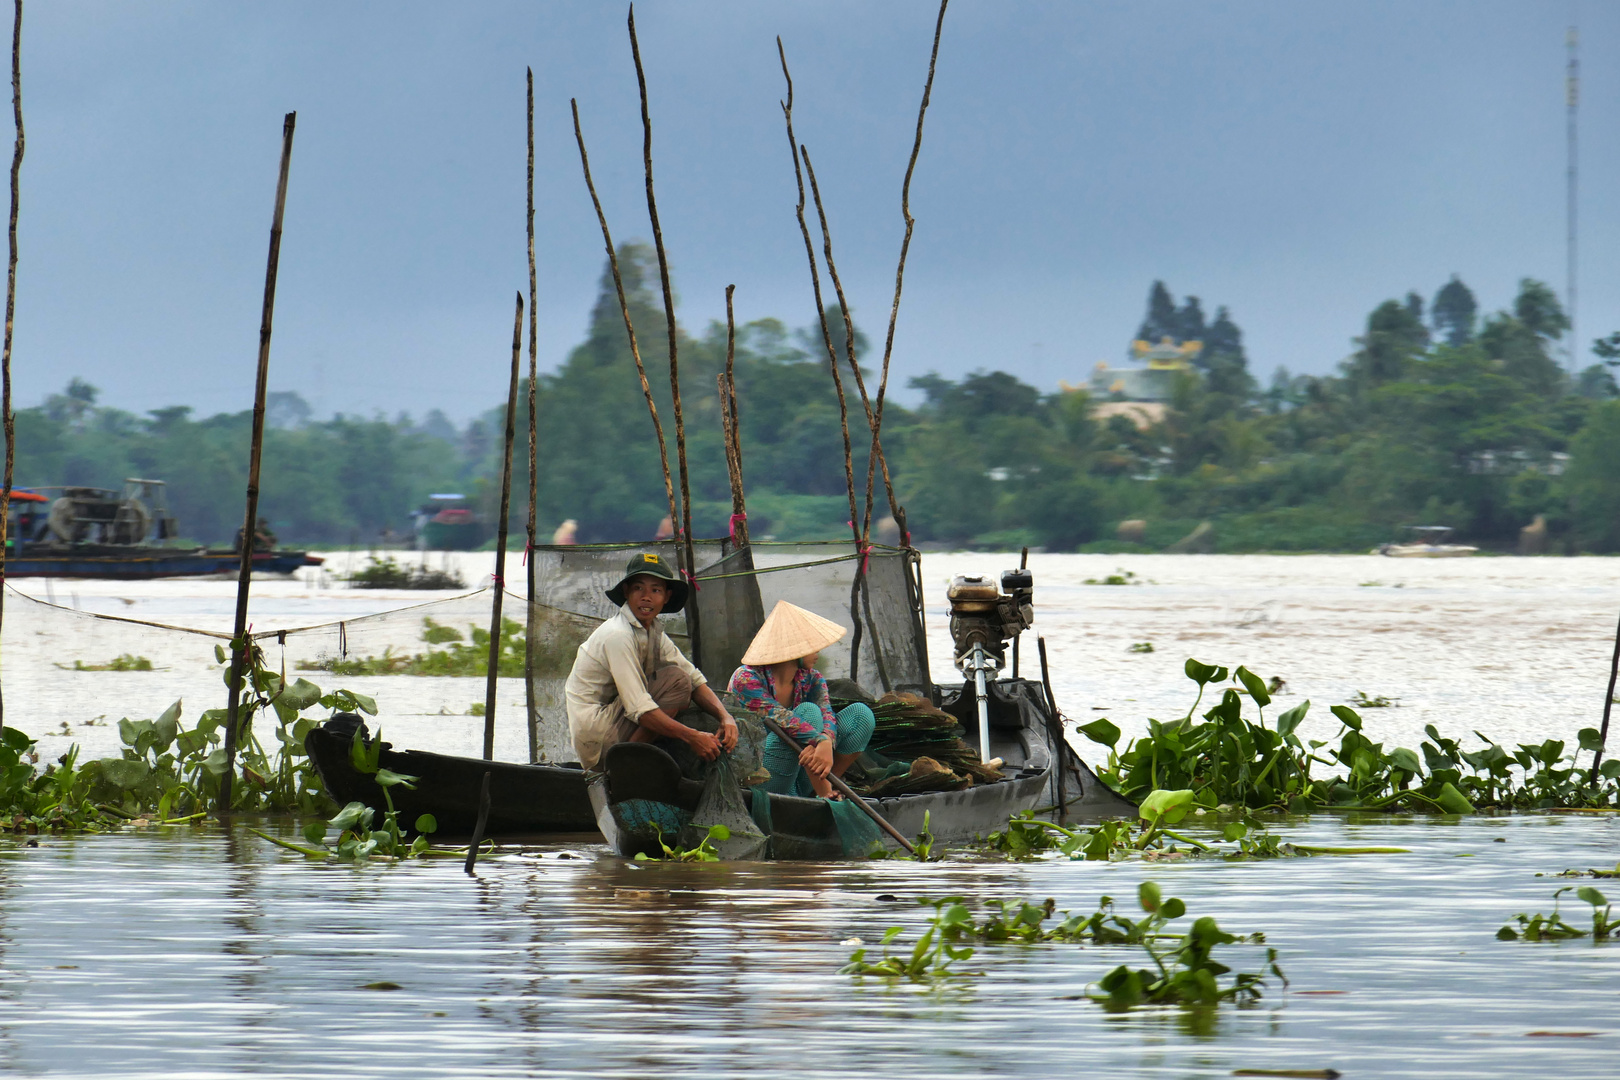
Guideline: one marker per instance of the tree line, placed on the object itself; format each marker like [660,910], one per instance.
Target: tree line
[1442,415]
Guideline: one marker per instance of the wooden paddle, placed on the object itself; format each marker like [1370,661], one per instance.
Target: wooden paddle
[843,788]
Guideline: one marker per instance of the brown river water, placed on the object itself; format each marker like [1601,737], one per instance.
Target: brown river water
[197,952]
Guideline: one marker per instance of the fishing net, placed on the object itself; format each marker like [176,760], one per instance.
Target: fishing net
[735,588]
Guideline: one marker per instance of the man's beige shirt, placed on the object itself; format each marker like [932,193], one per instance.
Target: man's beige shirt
[609,680]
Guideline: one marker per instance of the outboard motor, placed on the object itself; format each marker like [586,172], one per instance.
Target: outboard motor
[984,618]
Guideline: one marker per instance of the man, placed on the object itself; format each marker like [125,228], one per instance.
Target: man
[629,680]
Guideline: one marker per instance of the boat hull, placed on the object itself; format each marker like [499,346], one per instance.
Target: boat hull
[139,565]
[524,800]
[633,788]
[1427,551]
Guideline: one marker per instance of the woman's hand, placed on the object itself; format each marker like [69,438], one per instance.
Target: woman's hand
[817,758]
[728,734]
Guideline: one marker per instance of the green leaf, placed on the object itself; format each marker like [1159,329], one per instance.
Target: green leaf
[1201,674]
[1147,894]
[389,778]
[719,832]
[427,823]
[315,832]
[302,694]
[1402,758]
[1173,908]
[1255,686]
[1101,731]
[215,762]
[1590,739]
[1348,716]
[125,773]
[1166,807]
[366,705]
[350,814]
[219,654]
[1452,801]
[1288,721]
[1591,895]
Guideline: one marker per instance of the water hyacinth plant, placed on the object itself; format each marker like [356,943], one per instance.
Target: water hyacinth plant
[1539,927]
[1184,971]
[1228,758]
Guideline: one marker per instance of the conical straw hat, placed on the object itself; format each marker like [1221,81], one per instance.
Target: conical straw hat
[791,633]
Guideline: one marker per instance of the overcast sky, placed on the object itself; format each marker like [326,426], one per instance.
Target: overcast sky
[1298,162]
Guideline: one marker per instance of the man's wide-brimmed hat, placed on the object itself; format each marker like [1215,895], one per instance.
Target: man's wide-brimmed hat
[791,633]
[652,566]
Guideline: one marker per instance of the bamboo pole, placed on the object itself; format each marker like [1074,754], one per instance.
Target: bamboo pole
[240,644]
[9,417]
[1608,705]
[528,554]
[900,274]
[500,536]
[624,310]
[732,428]
[684,525]
[821,309]
[849,341]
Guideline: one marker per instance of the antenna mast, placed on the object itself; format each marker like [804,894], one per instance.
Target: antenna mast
[1572,92]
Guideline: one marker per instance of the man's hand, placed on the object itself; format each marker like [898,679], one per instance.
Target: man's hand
[817,758]
[706,745]
[728,734]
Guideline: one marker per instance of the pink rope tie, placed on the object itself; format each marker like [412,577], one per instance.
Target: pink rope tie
[866,555]
[691,579]
[734,519]
[498,581]
[526,549]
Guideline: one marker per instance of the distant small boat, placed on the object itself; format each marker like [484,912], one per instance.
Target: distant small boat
[88,532]
[1428,544]
[446,523]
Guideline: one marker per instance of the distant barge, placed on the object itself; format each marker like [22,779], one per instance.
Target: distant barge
[98,533]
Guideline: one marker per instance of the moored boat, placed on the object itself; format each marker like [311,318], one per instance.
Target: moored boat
[86,532]
[1430,544]
[524,800]
[642,799]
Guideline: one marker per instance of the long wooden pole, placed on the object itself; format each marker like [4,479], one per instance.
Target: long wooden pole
[899,281]
[1060,745]
[250,519]
[10,419]
[534,455]
[1608,704]
[821,308]
[500,536]
[624,310]
[684,525]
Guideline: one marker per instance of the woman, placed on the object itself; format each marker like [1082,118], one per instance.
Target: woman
[779,679]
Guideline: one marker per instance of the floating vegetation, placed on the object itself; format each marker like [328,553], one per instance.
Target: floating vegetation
[704,852]
[1187,974]
[1118,577]
[121,662]
[1362,701]
[357,841]
[385,573]
[458,657]
[1228,759]
[1141,647]
[1539,927]
[167,774]
[1184,972]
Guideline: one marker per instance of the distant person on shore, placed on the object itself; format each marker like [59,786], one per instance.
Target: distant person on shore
[666,530]
[629,681]
[567,533]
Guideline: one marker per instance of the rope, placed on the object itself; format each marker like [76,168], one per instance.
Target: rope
[735,518]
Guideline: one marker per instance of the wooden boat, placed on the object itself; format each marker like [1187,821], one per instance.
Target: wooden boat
[524,800]
[640,786]
[86,532]
[1430,544]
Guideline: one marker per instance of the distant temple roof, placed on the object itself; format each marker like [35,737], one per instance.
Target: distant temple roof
[1154,381]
